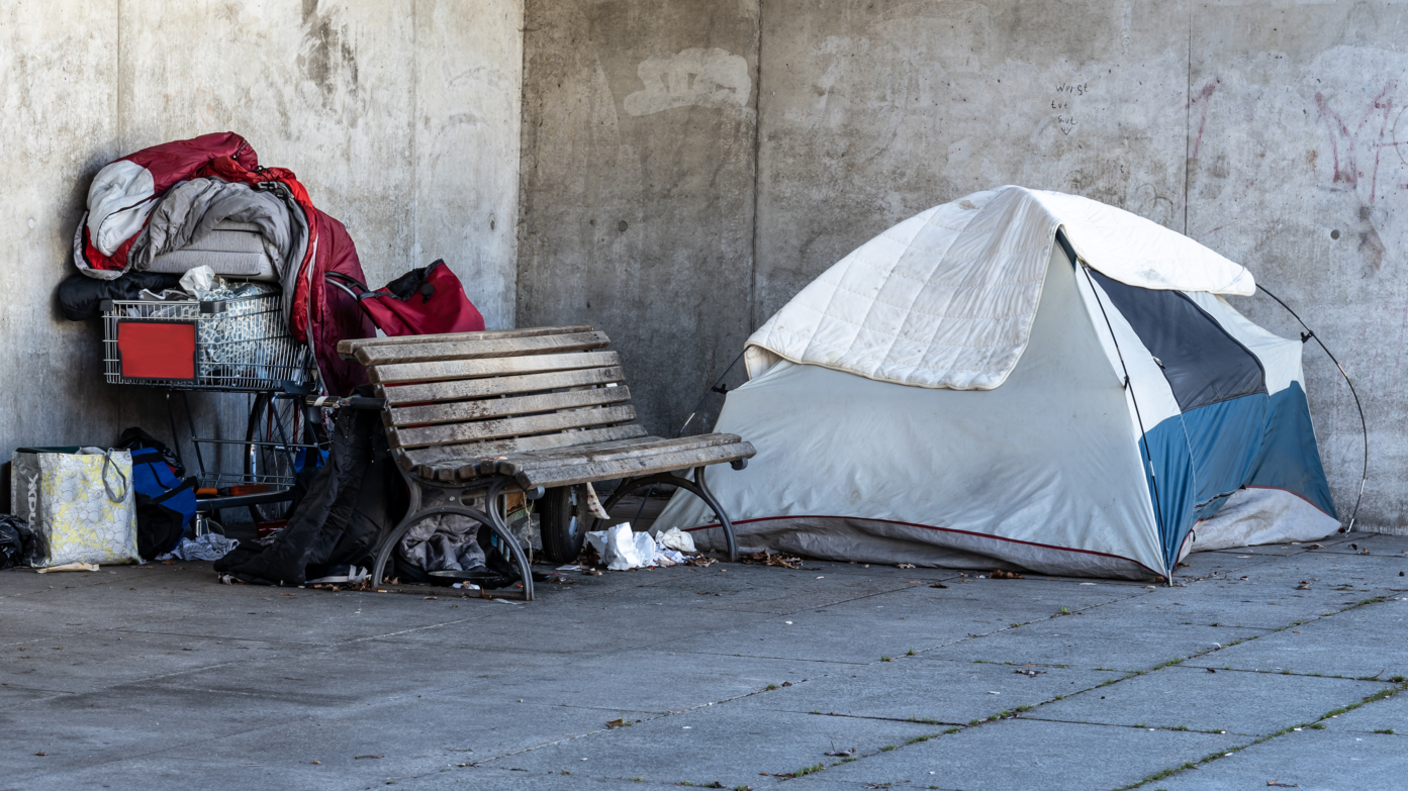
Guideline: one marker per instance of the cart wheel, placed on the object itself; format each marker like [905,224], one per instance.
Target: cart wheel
[563,529]
[277,421]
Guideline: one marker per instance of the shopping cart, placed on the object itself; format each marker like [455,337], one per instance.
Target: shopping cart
[233,341]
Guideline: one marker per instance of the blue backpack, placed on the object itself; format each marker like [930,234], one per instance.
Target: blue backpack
[166,504]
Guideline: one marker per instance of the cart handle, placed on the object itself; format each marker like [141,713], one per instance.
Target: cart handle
[350,402]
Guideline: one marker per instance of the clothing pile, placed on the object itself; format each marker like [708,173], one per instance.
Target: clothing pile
[207,201]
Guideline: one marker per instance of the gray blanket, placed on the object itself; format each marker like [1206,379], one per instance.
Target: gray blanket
[442,543]
[189,211]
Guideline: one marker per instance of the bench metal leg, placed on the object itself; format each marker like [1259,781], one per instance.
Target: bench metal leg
[491,520]
[697,487]
[499,523]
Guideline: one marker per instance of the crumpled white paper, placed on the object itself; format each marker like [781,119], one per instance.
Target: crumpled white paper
[677,539]
[622,549]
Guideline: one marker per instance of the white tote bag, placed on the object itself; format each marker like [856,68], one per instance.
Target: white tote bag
[79,502]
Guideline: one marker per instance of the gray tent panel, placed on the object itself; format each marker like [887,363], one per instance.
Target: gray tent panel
[1201,361]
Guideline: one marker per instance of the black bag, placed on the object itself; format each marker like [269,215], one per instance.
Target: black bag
[16,541]
[136,437]
[165,502]
[162,518]
[340,519]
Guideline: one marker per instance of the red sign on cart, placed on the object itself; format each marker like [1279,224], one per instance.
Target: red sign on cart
[157,350]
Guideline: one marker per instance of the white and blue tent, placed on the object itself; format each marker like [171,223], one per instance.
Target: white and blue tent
[1024,376]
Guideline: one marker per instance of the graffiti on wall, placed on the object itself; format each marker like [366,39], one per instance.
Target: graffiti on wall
[691,78]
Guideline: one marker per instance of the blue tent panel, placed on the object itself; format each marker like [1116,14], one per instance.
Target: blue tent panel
[1289,458]
[1204,455]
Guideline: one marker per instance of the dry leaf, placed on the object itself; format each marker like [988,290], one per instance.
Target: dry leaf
[771,559]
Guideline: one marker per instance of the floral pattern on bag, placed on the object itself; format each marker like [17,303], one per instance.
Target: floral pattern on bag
[80,506]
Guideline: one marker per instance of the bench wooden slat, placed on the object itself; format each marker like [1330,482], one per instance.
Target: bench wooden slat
[459,433]
[441,455]
[640,465]
[478,369]
[504,385]
[609,451]
[485,349]
[348,348]
[461,411]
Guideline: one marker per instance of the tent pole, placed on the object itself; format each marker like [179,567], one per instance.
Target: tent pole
[1304,337]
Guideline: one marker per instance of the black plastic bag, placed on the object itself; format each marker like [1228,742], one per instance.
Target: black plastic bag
[16,541]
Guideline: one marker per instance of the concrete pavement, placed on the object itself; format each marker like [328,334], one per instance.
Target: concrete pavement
[1276,665]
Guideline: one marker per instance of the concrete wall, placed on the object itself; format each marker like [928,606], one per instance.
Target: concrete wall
[400,116]
[1270,132]
[637,184]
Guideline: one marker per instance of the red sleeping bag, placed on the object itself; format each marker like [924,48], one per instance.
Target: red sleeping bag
[426,301]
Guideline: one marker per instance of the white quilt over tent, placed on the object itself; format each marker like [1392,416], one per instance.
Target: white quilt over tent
[947,297]
[954,392]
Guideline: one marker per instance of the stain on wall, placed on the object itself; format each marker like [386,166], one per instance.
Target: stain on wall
[364,101]
[637,186]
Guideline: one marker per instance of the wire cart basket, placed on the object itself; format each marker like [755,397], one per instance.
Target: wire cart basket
[240,344]
[233,341]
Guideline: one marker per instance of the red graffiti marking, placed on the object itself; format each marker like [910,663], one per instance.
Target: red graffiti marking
[1202,122]
[1350,172]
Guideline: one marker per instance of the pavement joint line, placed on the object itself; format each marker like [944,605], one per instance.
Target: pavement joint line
[522,750]
[22,688]
[781,658]
[843,715]
[806,609]
[1142,726]
[401,632]
[661,716]
[196,743]
[223,639]
[148,679]
[1316,724]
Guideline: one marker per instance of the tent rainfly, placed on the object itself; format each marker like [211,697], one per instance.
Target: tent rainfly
[1020,379]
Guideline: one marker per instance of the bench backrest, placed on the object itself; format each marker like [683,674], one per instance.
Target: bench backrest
[456,399]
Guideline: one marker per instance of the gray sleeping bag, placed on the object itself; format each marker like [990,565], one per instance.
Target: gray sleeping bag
[236,230]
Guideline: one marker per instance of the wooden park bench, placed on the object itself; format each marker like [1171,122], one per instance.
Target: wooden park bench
[485,413]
